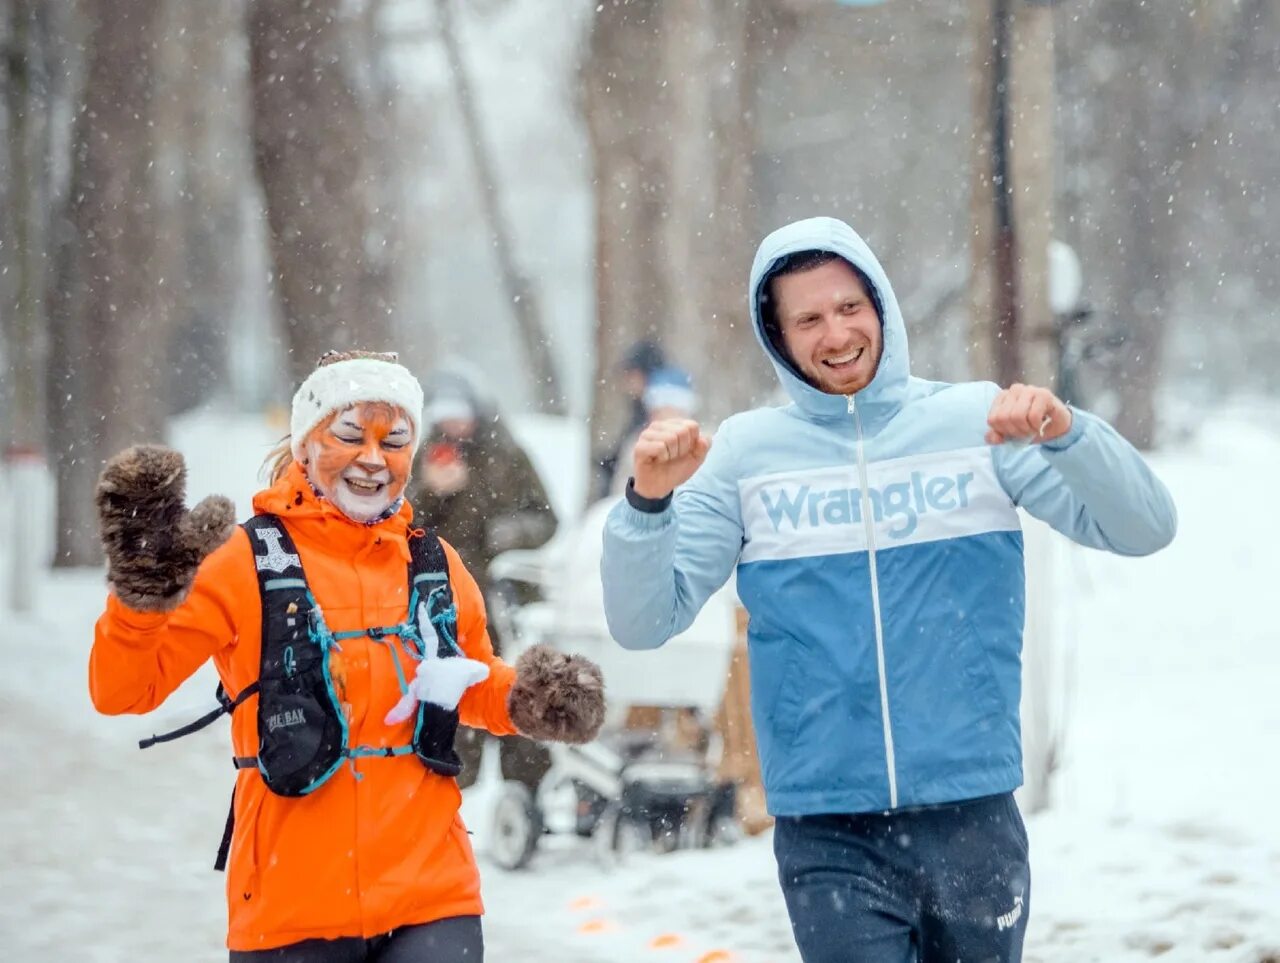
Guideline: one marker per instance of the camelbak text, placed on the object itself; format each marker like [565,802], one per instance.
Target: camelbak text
[281,720]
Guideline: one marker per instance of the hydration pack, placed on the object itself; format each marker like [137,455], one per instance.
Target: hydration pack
[303,737]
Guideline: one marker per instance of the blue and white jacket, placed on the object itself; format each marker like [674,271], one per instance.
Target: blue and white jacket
[879,556]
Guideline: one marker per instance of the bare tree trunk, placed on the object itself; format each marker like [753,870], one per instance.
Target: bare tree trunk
[521,292]
[313,149]
[1143,250]
[669,98]
[205,131]
[1012,331]
[109,323]
[27,110]
[1149,152]
[1012,194]
[625,102]
[396,132]
[710,225]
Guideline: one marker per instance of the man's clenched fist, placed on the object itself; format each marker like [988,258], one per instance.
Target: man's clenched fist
[666,456]
[1027,413]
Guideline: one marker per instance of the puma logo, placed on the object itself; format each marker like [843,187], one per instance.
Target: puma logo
[1006,920]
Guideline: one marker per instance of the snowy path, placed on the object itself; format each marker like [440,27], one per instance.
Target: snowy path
[118,869]
[1164,842]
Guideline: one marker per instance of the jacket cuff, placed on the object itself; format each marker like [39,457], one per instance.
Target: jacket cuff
[650,506]
[1074,433]
[133,618]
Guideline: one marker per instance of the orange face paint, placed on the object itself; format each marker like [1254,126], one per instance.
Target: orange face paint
[360,459]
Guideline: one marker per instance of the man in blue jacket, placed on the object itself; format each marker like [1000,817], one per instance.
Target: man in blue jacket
[873,527]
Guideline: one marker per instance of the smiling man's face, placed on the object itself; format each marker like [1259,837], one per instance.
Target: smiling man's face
[360,458]
[830,326]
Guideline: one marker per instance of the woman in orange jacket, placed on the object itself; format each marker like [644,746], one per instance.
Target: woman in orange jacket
[350,645]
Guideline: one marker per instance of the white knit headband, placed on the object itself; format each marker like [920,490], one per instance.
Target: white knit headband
[338,386]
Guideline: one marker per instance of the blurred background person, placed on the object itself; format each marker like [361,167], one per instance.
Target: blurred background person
[479,490]
[668,393]
[638,365]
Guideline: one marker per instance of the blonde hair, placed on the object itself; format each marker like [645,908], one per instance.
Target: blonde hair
[278,460]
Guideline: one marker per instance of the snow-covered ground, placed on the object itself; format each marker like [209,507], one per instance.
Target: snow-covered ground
[1163,840]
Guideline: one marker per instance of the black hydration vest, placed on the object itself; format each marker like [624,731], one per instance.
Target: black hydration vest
[302,731]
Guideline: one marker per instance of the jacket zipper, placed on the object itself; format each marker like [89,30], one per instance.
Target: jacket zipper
[868,523]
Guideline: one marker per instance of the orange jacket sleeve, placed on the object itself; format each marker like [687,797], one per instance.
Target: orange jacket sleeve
[139,658]
[484,705]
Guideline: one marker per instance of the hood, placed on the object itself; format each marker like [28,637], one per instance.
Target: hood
[879,400]
[455,378]
[458,380]
[293,499]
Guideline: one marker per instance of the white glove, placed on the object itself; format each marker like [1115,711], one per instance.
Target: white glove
[438,681]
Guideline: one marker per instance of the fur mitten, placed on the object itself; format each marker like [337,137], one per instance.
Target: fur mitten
[556,697]
[153,544]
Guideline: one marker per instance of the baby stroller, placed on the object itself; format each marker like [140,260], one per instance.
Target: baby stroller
[649,781]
